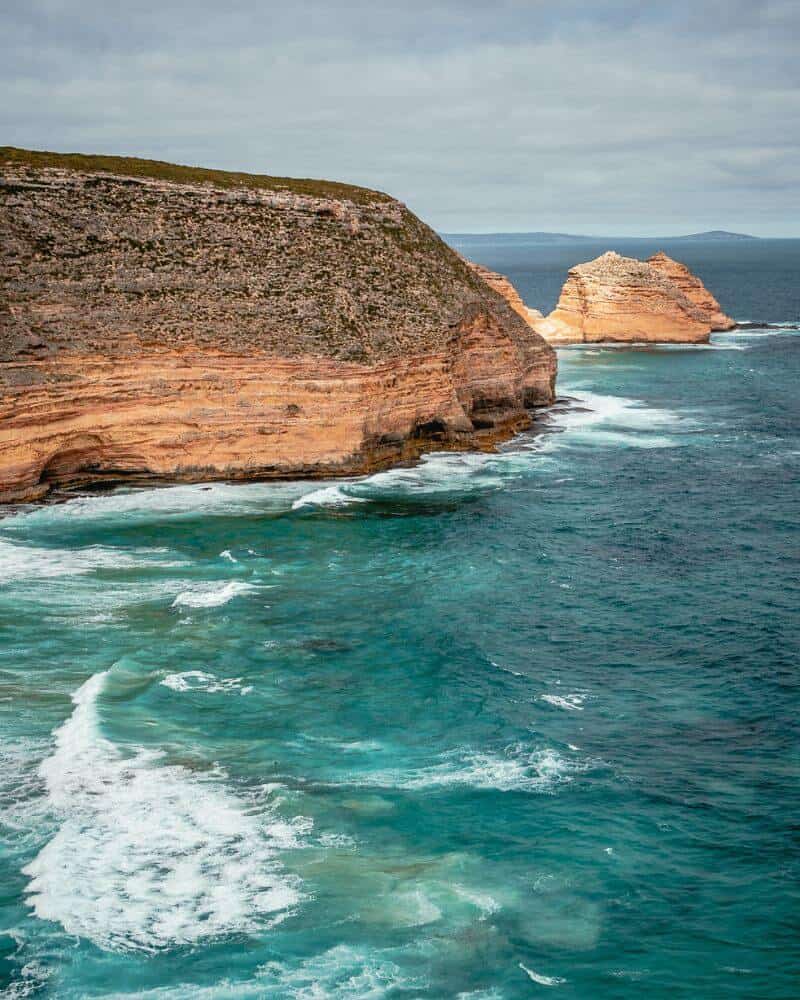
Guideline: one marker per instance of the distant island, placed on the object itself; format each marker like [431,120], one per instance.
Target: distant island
[715,234]
[712,234]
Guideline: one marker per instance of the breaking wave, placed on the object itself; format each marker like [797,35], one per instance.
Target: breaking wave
[148,856]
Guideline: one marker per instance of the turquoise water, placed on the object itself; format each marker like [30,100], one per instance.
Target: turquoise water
[491,727]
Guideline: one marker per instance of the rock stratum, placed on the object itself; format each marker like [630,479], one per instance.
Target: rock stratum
[502,285]
[170,323]
[615,298]
[694,290]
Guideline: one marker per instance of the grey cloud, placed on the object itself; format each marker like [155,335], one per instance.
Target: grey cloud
[593,117]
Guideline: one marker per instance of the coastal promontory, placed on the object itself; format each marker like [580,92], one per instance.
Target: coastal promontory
[171,323]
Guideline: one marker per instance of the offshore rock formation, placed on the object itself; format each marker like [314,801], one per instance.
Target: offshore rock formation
[614,298]
[163,322]
[694,290]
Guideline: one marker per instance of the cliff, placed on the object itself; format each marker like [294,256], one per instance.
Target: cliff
[165,322]
[614,298]
[694,290]
[501,284]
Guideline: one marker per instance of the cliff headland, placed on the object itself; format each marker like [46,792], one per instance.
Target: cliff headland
[164,322]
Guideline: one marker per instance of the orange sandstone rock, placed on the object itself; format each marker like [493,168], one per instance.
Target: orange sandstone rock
[614,298]
[502,285]
[693,288]
[168,323]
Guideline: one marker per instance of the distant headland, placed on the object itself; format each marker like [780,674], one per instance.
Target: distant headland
[718,235]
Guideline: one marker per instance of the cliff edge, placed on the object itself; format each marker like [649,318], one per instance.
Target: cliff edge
[166,322]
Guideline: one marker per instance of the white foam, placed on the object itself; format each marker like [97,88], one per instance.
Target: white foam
[437,474]
[618,421]
[32,981]
[226,554]
[197,680]
[537,977]
[27,562]
[155,504]
[328,496]
[211,595]
[342,972]
[149,856]
[516,769]
[340,841]
[569,702]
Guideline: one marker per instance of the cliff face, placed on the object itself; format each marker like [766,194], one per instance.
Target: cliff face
[501,284]
[614,298]
[694,290]
[167,322]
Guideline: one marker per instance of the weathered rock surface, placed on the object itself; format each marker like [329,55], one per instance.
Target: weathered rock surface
[502,285]
[694,290]
[614,298]
[173,323]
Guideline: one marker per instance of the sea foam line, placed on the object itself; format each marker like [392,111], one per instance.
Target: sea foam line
[517,769]
[199,680]
[148,856]
[211,595]
[537,977]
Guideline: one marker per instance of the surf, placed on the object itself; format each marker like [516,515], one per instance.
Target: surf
[146,855]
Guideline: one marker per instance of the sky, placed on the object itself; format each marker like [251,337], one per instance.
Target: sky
[610,117]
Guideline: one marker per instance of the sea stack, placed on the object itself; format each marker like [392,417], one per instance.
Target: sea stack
[169,323]
[694,290]
[615,298]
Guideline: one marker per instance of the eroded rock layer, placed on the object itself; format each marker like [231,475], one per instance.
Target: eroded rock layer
[171,323]
[502,285]
[694,290]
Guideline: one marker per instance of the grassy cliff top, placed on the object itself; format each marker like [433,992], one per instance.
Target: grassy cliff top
[132,166]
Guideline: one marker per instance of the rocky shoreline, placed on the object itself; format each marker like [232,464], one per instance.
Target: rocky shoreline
[159,322]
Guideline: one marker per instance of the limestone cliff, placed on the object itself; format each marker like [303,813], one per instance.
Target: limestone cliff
[614,298]
[694,290]
[163,322]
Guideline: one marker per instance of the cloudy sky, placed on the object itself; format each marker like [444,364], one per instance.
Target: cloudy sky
[606,117]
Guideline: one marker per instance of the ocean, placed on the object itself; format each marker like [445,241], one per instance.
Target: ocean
[490,727]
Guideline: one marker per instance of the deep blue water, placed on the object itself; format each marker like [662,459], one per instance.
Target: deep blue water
[491,727]
[755,280]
